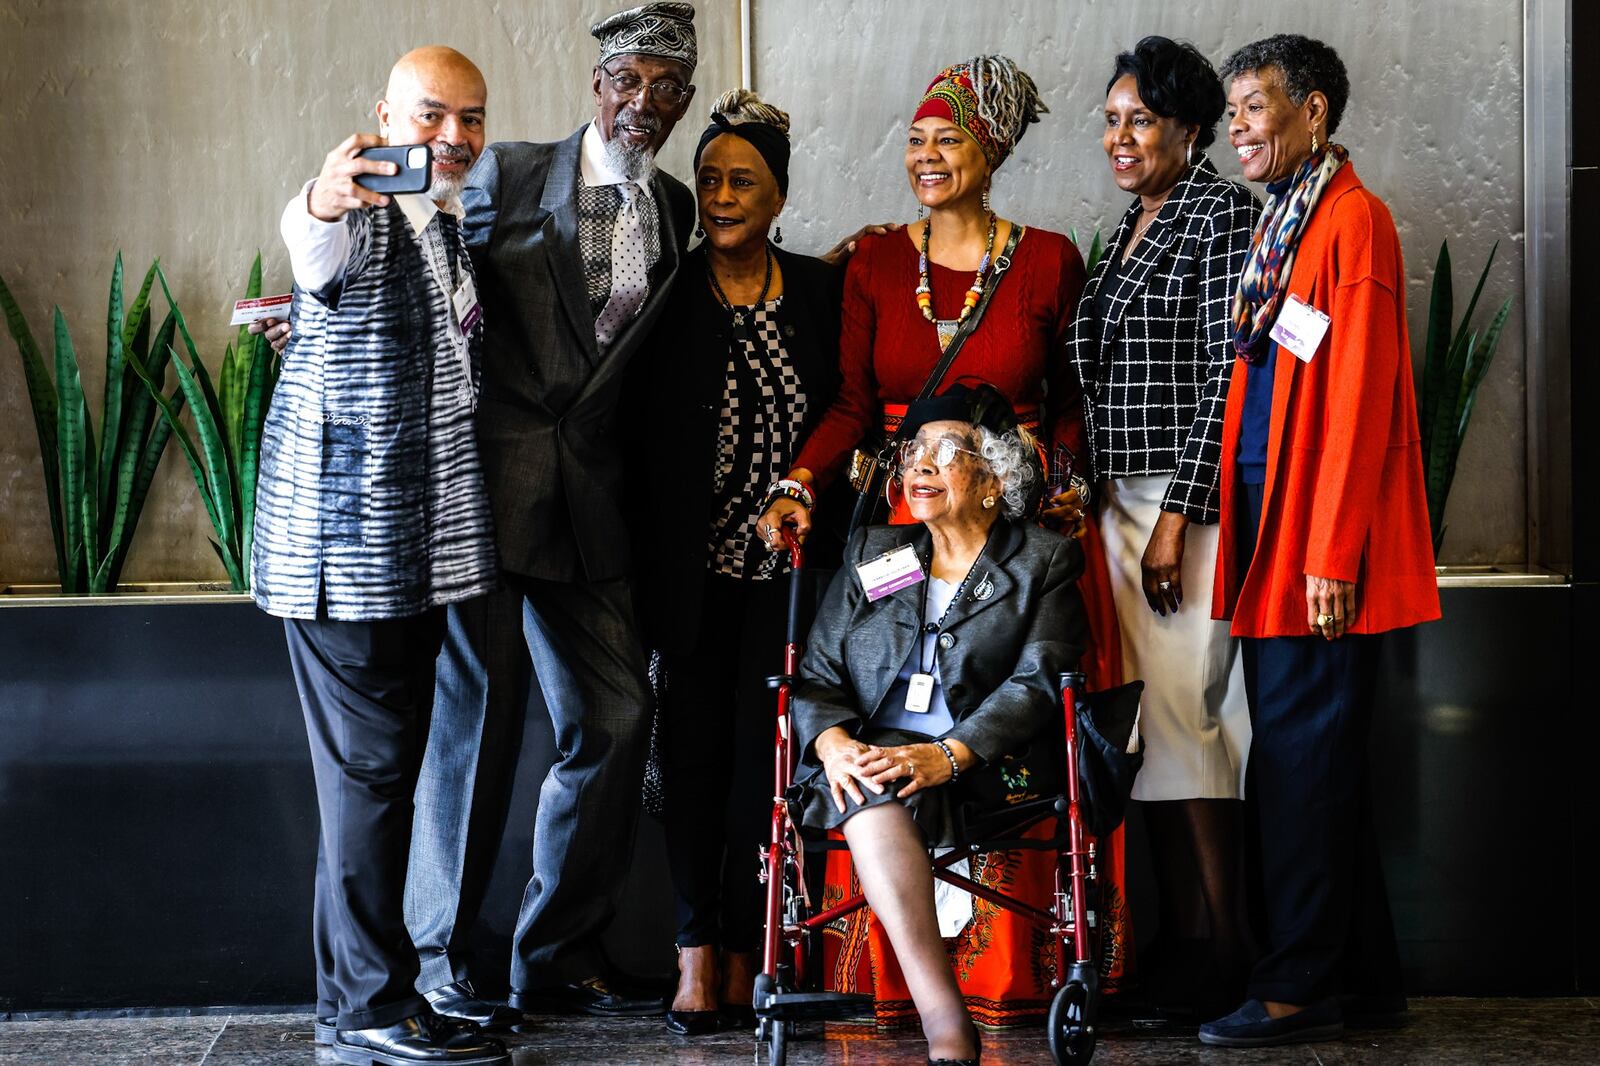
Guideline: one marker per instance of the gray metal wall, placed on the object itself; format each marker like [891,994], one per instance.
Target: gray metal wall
[179,128]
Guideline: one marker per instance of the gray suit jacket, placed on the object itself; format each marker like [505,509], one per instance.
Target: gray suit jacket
[1007,648]
[547,429]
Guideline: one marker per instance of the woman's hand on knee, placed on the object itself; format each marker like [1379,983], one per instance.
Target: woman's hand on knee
[841,756]
[923,764]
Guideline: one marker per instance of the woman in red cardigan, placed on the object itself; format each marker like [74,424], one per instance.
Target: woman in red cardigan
[906,294]
[1324,542]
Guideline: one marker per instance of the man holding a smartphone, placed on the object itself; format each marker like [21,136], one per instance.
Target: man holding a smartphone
[371,517]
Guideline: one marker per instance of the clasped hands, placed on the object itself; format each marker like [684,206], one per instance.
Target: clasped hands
[850,765]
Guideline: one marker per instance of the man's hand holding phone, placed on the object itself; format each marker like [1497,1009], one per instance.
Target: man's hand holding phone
[335,192]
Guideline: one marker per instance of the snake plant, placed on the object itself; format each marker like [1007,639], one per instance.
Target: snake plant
[95,494]
[1453,366]
[225,448]
[1097,248]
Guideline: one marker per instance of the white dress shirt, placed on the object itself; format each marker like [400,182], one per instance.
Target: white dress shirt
[318,250]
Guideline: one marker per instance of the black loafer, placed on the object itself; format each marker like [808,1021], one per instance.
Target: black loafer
[422,1038]
[594,997]
[1252,1026]
[694,1022]
[460,1001]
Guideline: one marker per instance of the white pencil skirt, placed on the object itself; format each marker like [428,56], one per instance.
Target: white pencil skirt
[1194,718]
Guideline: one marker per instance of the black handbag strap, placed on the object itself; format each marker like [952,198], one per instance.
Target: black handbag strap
[970,326]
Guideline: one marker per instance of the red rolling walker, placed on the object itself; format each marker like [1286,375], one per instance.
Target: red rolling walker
[779,999]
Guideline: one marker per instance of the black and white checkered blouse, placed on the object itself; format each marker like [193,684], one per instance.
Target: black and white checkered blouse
[1155,367]
[763,409]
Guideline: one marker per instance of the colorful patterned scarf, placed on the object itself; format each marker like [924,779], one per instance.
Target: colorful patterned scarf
[990,98]
[1265,280]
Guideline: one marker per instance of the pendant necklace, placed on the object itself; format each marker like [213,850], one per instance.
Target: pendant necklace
[727,305]
[947,330]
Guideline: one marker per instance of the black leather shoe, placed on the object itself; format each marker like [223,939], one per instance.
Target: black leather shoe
[324,1030]
[694,1022]
[594,996]
[460,1001]
[422,1038]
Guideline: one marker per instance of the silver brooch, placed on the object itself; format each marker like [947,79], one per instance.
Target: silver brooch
[984,590]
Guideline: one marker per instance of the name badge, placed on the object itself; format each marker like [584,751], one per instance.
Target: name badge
[247,311]
[890,572]
[1300,328]
[919,693]
[468,309]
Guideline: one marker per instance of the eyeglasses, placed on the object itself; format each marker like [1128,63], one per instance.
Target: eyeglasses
[940,451]
[627,84]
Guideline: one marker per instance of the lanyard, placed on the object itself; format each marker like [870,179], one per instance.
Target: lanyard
[439,267]
[932,629]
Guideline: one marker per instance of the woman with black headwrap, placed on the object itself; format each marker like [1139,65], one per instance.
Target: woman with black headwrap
[746,363]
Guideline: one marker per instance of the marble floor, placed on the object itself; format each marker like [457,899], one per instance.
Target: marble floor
[1545,1031]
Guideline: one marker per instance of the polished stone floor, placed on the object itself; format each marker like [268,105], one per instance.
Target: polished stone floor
[1545,1031]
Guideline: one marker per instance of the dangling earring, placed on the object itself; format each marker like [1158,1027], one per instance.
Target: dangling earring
[1313,140]
[986,208]
[777,236]
[988,503]
[1188,154]
[922,211]
[699,231]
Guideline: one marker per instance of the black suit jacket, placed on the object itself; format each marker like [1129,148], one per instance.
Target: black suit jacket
[1155,370]
[547,417]
[1008,647]
[673,396]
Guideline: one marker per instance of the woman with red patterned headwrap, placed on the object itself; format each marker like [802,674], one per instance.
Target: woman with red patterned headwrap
[907,294]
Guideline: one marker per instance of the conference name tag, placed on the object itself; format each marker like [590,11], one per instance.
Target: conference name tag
[248,311]
[468,309]
[890,572]
[1300,328]
[919,693]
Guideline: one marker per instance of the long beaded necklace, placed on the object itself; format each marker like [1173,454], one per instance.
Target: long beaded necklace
[974,293]
[727,304]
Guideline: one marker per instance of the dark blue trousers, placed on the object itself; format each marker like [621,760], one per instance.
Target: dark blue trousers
[1328,929]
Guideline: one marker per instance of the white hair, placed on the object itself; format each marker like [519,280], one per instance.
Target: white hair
[1011,459]
[634,162]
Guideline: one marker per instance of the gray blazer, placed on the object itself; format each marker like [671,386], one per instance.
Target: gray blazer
[547,429]
[1005,653]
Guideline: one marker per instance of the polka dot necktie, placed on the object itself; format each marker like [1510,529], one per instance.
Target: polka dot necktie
[630,270]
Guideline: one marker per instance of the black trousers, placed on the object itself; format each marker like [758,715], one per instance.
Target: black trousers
[717,756]
[1328,929]
[367,690]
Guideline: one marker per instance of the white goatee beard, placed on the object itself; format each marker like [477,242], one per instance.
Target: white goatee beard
[446,186]
[636,163]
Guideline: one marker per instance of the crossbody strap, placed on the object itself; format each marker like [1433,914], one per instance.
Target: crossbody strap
[969,327]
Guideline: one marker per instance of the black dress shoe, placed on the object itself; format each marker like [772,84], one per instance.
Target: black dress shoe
[422,1038]
[594,996]
[694,1022]
[460,1001]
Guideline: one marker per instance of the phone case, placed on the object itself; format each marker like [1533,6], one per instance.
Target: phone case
[416,168]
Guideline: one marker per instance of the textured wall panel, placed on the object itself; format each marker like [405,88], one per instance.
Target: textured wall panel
[179,128]
[1434,127]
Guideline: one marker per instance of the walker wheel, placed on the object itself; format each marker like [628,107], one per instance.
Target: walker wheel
[1071,1031]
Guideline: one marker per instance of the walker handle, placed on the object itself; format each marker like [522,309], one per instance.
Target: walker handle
[797,561]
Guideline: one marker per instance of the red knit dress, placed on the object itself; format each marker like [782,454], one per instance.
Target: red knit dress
[887,349]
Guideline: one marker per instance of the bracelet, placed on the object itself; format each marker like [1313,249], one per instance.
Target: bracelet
[955,770]
[790,488]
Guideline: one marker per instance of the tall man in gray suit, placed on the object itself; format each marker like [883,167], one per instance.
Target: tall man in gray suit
[576,243]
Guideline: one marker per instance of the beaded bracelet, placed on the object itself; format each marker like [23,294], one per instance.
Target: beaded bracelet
[790,488]
[955,771]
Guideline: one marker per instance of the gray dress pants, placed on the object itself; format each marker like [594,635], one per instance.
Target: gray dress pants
[580,642]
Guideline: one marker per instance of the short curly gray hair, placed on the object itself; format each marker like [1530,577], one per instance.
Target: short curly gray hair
[1012,460]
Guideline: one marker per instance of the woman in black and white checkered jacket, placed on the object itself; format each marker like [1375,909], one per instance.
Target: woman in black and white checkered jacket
[1152,346]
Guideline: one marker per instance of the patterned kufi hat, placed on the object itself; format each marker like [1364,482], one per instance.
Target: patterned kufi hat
[990,98]
[665,31]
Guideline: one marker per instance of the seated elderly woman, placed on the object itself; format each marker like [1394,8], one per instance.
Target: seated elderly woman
[936,651]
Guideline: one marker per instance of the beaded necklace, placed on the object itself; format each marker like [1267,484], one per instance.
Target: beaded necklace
[728,305]
[925,282]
